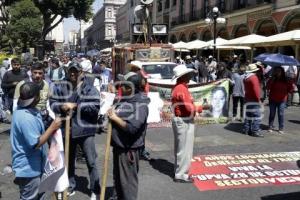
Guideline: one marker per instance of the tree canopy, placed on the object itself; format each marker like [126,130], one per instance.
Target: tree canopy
[25,25]
[52,9]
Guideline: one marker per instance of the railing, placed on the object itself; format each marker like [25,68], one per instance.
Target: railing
[189,17]
[197,15]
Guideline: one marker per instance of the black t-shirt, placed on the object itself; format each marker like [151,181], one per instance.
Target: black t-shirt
[9,78]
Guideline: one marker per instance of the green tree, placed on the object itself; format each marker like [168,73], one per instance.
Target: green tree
[80,9]
[52,9]
[25,25]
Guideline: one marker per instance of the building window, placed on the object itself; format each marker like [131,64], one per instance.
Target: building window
[206,8]
[109,13]
[222,5]
[109,31]
[181,8]
[240,4]
[193,9]
[131,3]
[174,2]
[159,5]
[167,4]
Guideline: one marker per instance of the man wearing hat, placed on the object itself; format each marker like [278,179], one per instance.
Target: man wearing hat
[252,102]
[129,122]
[28,138]
[183,123]
[79,97]
[137,67]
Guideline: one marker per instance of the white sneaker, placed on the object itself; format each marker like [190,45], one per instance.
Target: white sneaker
[95,196]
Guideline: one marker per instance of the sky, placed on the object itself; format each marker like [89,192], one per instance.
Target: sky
[72,24]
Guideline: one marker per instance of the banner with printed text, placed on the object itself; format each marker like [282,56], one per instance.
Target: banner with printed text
[219,172]
[215,94]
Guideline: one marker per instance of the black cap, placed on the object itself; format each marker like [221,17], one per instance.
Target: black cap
[55,61]
[75,65]
[28,92]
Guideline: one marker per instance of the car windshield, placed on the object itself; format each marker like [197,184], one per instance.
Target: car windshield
[165,70]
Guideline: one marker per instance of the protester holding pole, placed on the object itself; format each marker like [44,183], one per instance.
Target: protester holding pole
[79,95]
[129,121]
[136,66]
[28,138]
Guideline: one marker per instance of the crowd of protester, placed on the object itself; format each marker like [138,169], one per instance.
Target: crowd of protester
[71,85]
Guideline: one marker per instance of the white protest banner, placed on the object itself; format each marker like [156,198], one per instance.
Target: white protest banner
[155,106]
[107,100]
[55,177]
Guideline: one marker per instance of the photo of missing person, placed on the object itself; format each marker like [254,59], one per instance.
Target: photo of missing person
[219,102]
[55,159]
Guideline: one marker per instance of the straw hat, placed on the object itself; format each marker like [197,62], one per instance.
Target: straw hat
[258,63]
[181,70]
[251,68]
[188,57]
[135,63]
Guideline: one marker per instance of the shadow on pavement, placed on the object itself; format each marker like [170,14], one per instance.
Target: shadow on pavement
[287,196]
[234,127]
[82,184]
[238,127]
[294,121]
[163,166]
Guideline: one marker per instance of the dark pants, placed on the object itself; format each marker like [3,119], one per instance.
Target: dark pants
[87,145]
[298,88]
[280,106]
[29,188]
[125,173]
[252,118]
[236,101]
[8,103]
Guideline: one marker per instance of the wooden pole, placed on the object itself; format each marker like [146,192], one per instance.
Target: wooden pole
[106,161]
[67,149]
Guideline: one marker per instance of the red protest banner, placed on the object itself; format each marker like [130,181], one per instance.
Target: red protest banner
[228,171]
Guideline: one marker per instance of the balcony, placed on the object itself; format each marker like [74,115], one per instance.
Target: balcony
[188,17]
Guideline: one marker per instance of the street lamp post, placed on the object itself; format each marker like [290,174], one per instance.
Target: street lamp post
[214,17]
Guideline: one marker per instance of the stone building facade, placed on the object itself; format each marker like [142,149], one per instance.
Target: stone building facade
[102,33]
[186,18]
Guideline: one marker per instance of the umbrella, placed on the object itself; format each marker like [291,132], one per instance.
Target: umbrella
[106,50]
[93,52]
[279,60]
[180,45]
[247,40]
[196,44]
[262,57]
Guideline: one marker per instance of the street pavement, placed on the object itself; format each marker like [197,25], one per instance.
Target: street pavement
[156,176]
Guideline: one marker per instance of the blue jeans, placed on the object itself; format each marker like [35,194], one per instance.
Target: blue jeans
[252,118]
[2,111]
[29,188]
[279,106]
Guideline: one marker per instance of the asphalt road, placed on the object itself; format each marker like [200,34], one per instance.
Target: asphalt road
[156,177]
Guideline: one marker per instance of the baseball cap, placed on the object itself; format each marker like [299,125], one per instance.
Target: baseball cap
[28,92]
[75,65]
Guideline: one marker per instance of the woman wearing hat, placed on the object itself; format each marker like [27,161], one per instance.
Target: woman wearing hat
[183,123]
[252,102]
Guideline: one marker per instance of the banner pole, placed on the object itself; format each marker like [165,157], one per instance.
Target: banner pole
[67,149]
[106,161]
